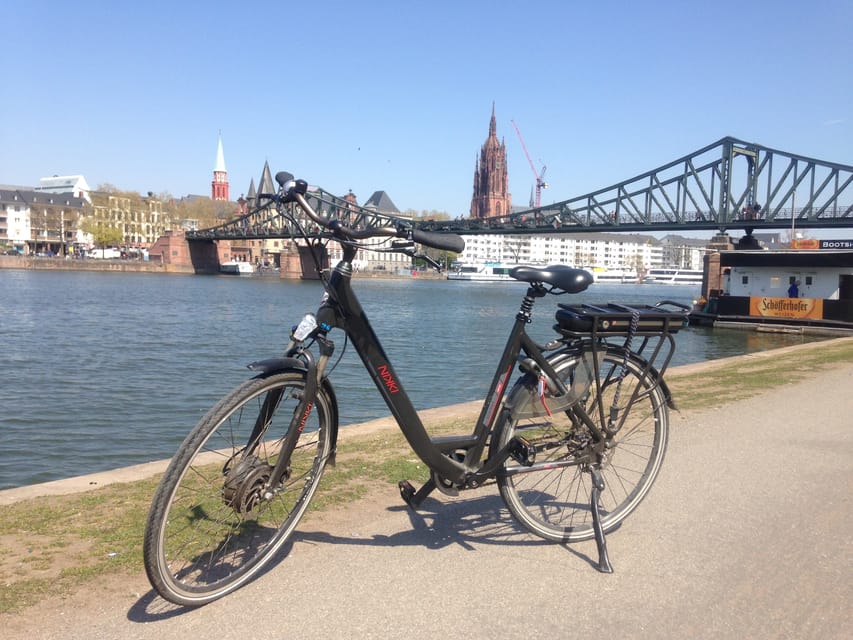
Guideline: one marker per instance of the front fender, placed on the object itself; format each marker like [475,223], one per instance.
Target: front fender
[274,365]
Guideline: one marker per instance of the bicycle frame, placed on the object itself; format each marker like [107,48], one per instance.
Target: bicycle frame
[341,309]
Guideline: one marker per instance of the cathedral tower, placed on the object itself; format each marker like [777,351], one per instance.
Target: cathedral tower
[491,197]
[219,186]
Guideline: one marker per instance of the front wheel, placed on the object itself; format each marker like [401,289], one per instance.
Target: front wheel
[551,497]
[217,518]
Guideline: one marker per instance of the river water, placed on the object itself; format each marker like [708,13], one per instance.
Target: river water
[104,370]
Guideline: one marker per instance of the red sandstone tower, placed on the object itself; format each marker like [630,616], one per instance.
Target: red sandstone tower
[490,178]
[219,186]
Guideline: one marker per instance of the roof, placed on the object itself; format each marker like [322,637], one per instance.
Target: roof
[804,259]
[29,197]
[220,158]
[266,185]
[381,202]
[60,184]
[676,239]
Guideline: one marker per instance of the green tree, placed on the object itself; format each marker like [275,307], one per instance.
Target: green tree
[425,214]
[102,235]
[209,213]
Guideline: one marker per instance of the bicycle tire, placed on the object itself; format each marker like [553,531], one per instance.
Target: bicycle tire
[211,529]
[554,503]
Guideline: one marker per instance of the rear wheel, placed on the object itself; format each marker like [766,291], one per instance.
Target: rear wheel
[216,520]
[554,501]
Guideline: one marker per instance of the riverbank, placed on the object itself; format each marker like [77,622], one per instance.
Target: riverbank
[139,266]
[89,264]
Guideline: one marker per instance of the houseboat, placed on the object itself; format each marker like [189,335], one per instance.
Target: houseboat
[779,290]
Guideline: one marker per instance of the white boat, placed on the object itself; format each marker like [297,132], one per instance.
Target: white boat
[480,272]
[673,275]
[237,268]
[613,275]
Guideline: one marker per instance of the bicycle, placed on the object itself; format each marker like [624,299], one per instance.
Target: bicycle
[574,443]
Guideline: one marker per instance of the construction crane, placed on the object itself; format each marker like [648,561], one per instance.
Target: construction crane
[540,177]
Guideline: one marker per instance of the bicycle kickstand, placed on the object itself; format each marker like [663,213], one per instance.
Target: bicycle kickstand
[604,565]
[414,498]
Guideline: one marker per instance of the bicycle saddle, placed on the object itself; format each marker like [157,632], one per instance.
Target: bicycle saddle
[560,276]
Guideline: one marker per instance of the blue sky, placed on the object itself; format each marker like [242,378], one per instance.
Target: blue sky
[397,95]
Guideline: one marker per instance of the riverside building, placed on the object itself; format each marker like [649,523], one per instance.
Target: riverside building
[611,250]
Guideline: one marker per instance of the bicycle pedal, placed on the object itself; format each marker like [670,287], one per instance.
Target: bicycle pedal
[407,491]
[522,451]
[415,498]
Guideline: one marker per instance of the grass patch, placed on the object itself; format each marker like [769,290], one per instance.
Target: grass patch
[751,375]
[55,545]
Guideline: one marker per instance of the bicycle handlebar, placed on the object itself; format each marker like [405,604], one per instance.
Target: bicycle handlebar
[293,190]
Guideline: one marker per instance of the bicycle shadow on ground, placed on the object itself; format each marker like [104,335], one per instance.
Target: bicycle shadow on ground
[435,525]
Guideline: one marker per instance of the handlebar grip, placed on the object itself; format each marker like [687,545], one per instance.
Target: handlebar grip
[442,241]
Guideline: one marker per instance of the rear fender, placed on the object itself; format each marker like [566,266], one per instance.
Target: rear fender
[523,399]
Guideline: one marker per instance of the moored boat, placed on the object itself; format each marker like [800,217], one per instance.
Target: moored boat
[237,268]
[673,275]
[480,272]
[613,275]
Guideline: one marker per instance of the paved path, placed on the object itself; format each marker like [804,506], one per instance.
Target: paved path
[745,535]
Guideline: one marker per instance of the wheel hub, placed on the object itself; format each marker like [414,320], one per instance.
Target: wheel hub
[246,484]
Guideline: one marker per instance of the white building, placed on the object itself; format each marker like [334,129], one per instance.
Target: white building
[15,221]
[35,221]
[75,185]
[613,250]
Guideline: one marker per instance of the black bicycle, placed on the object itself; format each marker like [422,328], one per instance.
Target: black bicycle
[574,443]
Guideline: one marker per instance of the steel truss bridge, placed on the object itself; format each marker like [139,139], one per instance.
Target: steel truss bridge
[729,184]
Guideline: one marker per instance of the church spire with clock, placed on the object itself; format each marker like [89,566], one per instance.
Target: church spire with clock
[219,186]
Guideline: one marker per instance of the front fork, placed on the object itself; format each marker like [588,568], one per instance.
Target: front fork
[313,376]
[314,371]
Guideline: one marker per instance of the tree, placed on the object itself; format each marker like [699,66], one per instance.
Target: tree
[432,214]
[209,213]
[102,235]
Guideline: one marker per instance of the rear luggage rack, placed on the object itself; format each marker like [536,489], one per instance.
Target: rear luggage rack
[613,319]
[652,323]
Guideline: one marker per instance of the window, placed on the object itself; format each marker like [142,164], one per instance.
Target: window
[744,280]
[808,281]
